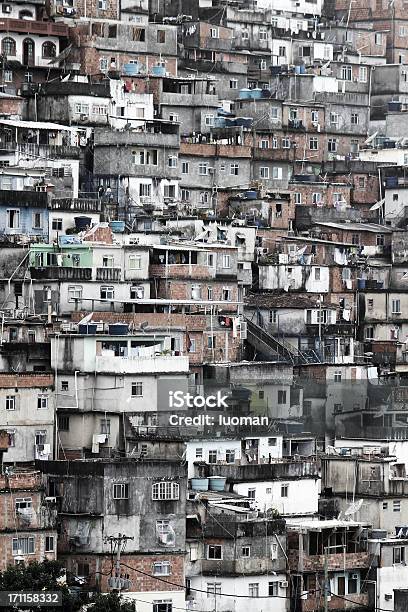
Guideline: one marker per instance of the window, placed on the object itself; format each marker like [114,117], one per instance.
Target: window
[202,168]
[23,546]
[226,261]
[105,426]
[352,584]
[102,5]
[264,172]
[378,38]
[74,293]
[135,262]
[272,441]
[346,73]
[285,143]
[284,490]
[8,46]
[172,161]
[40,437]
[362,74]
[193,346]
[185,167]
[233,84]
[263,34]
[334,118]
[145,157]
[199,453]
[144,190]
[161,568]
[226,294]
[313,144]
[28,77]
[42,402]
[10,402]
[253,589]
[234,169]
[282,51]
[23,503]
[246,552]
[385,505]
[213,589]
[37,220]
[369,332]
[49,544]
[82,569]
[281,397]
[11,437]
[264,143]
[161,36]
[273,590]
[211,342]
[332,145]
[396,505]
[276,173]
[63,422]
[317,274]
[395,197]
[214,551]
[396,306]
[230,456]
[380,239]
[121,490]
[137,389]
[165,490]
[107,292]
[398,555]
[261,394]
[107,261]
[354,119]
[251,494]
[8,76]
[100,109]
[212,456]
[13,218]
[209,120]
[57,224]
[49,50]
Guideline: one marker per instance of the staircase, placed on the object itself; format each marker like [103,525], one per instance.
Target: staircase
[277,349]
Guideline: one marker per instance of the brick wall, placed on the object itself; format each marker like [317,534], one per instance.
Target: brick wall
[26,380]
[6,547]
[180,271]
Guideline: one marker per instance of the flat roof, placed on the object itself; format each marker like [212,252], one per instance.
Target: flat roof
[358,227]
[36,125]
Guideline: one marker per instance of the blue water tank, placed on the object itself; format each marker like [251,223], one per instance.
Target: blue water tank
[256,93]
[88,329]
[118,329]
[118,227]
[245,94]
[159,71]
[361,283]
[131,69]
[219,122]
[394,106]
[251,195]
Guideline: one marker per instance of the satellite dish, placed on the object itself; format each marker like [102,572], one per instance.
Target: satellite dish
[353,508]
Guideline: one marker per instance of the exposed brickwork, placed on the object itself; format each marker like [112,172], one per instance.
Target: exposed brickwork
[26,380]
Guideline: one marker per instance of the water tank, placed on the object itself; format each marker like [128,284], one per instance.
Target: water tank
[251,195]
[245,122]
[256,93]
[131,69]
[219,122]
[394,106]
[88,329]
[245,94]
[361,283]
[199,484]
[118,227]
[266,93]
[217,483]
[159,71]
[82,223]
[118,329]
[391,181]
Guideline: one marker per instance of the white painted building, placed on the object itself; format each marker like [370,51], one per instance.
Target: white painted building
[283,495]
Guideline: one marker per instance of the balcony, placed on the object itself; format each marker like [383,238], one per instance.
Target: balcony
[181,271]
[37,199]
[60,273]
[238,567]
[108,274]
[358,602]
[76,205]
[43,28]
[335,562]
[281,155]
[142,365]
[40,150]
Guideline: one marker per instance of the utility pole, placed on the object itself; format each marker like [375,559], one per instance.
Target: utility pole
[326,581]
[116,582]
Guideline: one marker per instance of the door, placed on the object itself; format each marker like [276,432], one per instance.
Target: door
[28,52]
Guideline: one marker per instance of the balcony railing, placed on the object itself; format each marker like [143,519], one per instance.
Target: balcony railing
[25,26]
[108,274]
[60,273]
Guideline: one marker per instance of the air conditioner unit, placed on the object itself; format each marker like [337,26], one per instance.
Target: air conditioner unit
[6,8]
[83,117]
[283,584]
